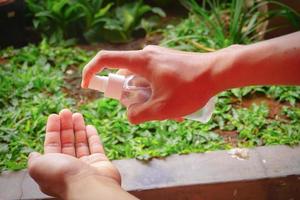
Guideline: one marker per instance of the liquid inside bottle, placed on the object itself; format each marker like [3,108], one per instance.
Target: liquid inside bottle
[135,90]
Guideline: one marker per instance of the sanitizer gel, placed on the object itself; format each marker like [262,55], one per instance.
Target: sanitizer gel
[135,89]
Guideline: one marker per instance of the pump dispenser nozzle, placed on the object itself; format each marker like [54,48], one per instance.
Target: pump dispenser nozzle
[111,85]
[98,83]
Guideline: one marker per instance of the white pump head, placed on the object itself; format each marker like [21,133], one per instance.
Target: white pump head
[98,83]
[111,85]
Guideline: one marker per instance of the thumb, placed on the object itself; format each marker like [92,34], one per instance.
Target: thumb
[33,164]
[32,156]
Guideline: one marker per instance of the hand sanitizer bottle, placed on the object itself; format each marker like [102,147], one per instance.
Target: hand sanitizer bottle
[135,89]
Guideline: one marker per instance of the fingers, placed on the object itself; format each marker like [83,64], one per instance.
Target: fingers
[81,143]
[67,132]
[52,142]
[131,60]
[139,113]
[153,109]
[94,140]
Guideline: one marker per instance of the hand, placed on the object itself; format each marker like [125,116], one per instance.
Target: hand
[182,82]
[74,158]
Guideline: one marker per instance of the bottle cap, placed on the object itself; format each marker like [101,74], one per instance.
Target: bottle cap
[111,85]
[98,83]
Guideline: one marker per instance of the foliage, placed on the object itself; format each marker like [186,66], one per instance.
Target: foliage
[151,139]
[254,124]
[31,81]
[218,24]
[56,20]
[189,35]
[123,22]
[89,20]
[289,94]
[31,88]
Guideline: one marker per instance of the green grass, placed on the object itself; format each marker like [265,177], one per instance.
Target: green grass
[31,88]
[32,79]
[215,24]
[91,21]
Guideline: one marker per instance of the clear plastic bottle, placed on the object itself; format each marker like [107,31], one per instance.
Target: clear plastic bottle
[135,89]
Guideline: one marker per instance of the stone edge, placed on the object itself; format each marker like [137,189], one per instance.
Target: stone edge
[179,170]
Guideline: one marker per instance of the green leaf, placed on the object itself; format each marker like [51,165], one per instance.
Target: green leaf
[158,11]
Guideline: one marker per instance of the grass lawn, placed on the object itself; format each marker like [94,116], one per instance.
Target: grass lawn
[37,80]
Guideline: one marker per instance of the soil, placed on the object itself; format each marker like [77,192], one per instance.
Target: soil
[73,88]
[274,106]
[136,44]
[230,137]
[2,60]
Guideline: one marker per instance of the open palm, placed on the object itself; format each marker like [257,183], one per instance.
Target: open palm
[73,151]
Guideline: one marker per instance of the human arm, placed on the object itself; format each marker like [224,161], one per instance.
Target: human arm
[96,188]
[74,165]
[271,62]
[182,82]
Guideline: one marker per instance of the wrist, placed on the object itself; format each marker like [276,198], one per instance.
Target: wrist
[228,67]
[93,186]
[87,187]
[256,64]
